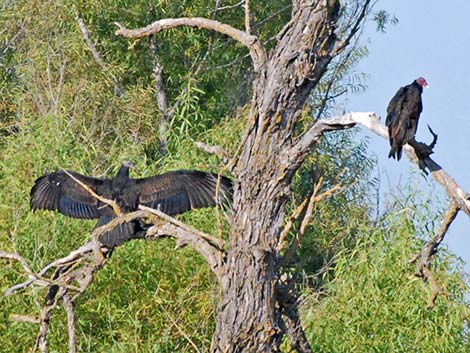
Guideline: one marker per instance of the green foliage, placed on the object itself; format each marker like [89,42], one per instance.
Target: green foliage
[383,18]
[60,109]
[373,303]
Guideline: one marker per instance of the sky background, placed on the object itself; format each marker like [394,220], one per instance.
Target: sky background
[432,41]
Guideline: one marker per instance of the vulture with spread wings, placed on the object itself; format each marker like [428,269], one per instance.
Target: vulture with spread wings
[403,113]
[173,192]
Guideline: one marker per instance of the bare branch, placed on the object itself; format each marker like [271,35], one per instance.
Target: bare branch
[238,4]
[219,243]
[180,330]
[69,309]
[257,52]
[247,17]
[423,266]
[20,259]
[25,318]
[209,247]
[91,46]
[372,122]
[289,224]
[217,150]
[38,279]
[297,153]
[112,203]
[118,90]
[45,316]
[307,218]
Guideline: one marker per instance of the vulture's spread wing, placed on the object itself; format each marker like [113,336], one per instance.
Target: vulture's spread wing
[180,191]
[59,192]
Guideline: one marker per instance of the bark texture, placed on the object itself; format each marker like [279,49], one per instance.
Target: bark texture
[250,318]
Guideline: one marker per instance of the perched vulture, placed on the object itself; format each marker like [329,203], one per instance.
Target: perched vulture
[402,116]
[174,192]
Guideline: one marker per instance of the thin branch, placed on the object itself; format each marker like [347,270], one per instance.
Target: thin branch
[290,223]
[217,150]
[25,318]
[423,266]
[307,218]
[162,102]
[45,316]
[112,203]
[180,330]
[91,46]
[119,91]
[257,51]
[38,279]
[247,17]
[230,6]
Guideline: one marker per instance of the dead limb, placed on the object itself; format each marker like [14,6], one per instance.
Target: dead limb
[247,17]
[306,219]
[113,204]
[216,150]
[75,272]
[372,122]
[423,260]
[69,309]
[257,51]
[91,46]
[118,90]
[209,247]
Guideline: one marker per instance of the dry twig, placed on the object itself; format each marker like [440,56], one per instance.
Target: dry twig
[112,203]
[307,217]
[217,150]
[423,259]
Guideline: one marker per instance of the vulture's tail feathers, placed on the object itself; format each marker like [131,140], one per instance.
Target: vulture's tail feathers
[121,233]
[395,152]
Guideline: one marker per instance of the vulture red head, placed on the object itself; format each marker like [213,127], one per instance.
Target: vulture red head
[422,82]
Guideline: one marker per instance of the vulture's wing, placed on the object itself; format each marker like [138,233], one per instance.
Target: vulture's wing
[59,192]
[180,191]
[395,107]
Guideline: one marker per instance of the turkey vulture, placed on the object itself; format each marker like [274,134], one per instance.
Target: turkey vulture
[173,192]
[402,115]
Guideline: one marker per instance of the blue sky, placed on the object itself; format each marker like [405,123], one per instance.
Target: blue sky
[433,41]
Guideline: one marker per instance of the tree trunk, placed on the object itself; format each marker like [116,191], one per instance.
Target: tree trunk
[249,318]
